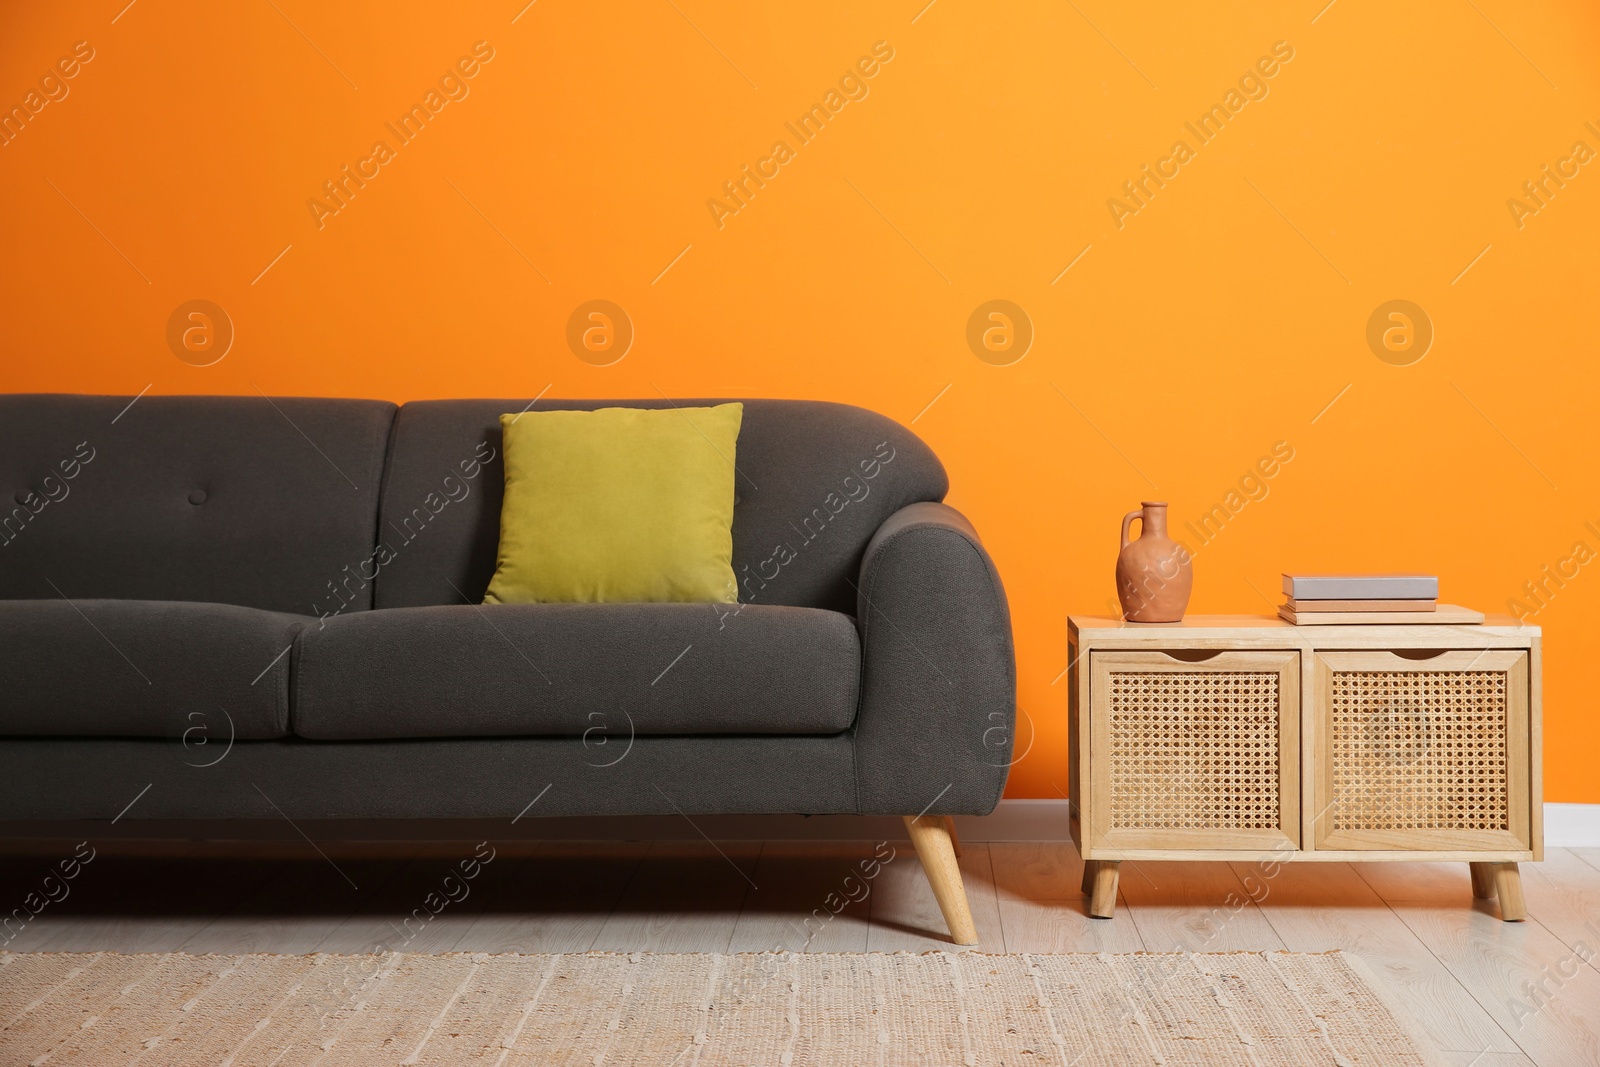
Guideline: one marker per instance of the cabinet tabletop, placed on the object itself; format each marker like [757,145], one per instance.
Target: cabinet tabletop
[1263,630]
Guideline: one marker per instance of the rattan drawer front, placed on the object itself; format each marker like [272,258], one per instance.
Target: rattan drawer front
[1416,753]
[1194,754]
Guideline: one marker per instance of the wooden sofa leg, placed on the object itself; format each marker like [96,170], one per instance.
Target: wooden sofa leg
[1482,880]
[950,828]
[936,850]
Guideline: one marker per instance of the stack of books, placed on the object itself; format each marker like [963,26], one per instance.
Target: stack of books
[1335,599]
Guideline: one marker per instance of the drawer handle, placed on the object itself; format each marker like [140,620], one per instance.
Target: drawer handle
[1193,655]
[1418,653]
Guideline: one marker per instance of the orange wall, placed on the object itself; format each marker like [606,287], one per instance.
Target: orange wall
[1219,319]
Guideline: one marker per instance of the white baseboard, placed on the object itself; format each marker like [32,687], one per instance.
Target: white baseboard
[1018,820]
[1565,825]
[1572,825]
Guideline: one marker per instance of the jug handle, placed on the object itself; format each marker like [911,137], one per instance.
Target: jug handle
[1127,520]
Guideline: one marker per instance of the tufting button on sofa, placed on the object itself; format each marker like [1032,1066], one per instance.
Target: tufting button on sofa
[197,497]
[23,496]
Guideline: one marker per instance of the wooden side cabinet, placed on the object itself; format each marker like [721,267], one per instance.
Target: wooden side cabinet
[1246,738]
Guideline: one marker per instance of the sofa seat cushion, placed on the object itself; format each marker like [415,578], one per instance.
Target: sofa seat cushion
[204,673]
[603,672]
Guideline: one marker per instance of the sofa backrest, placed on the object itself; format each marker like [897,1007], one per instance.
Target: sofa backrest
[815,480]
[237,500]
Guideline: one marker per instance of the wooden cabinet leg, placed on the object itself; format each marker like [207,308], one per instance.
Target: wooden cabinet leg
[1088,876]
[950,828]
[936,850]
[1508,887]
[1482,880]
[1103,899]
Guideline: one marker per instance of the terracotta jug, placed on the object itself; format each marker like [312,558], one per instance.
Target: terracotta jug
[1153,573]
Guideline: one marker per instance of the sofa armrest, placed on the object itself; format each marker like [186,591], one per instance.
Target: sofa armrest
[937,717]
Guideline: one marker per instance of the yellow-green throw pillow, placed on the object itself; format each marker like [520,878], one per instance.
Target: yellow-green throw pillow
[618,505]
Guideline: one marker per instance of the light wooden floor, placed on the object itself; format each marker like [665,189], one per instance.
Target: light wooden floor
[1495,994]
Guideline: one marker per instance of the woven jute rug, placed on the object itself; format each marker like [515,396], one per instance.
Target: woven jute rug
[700,1009]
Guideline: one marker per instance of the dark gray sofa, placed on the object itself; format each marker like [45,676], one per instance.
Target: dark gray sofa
[264,608]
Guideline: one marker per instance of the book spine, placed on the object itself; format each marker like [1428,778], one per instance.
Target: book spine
[1361,605]
[1331,587]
